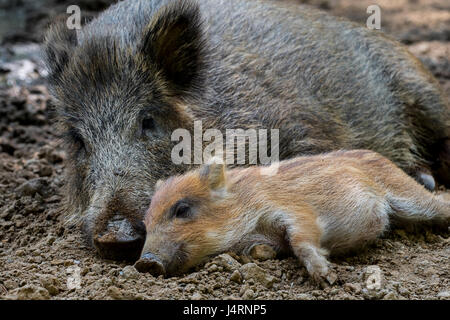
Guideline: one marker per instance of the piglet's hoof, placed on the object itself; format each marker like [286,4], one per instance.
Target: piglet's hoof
[324,279]
[331,277]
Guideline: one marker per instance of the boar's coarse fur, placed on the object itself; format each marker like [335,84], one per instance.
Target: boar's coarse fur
[144,68]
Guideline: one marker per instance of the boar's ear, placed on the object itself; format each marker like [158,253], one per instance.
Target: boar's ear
[214,173]
[59,44]
[173,42]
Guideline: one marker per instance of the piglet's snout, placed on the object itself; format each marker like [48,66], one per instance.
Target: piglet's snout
[150,263]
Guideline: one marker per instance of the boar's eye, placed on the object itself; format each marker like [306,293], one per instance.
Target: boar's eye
[181,209]
[148,126]
[77,140]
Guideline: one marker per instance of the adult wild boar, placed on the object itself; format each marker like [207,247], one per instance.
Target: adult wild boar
[144,68]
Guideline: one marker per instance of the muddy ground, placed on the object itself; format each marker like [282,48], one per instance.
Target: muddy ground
[41,258]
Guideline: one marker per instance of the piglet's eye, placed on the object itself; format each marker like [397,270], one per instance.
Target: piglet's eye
[181,210]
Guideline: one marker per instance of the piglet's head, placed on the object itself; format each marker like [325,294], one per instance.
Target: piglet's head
[184,220]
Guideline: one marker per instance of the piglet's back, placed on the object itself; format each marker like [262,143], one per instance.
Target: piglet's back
[318,177]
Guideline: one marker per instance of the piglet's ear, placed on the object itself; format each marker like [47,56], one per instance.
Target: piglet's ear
[58,47]
[172,42]
[214,173]
[158,184]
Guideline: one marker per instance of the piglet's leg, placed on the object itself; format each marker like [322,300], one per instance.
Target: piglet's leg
[304,236]
[315,261]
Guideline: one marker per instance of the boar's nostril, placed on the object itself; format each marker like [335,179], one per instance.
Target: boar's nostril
[149,263]
[123,243]
[111,246]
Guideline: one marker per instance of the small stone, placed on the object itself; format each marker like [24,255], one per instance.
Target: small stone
[331,277]
[236,276]
[245,259]
[114,293]
[248,294]
[253,271]
[243,288]
[51,240]
[350,268]
[33,186]
[262,252]
[84,271]
[373,277]
[20,223]
[96,268]
[8,211]
[57,262]
[373,294]
[444,294]
[121,294]
[68,263]
[45,171]
[232,297]
[429,272]
[51,283]
[56,157]
[333,291]
[11,284]
[130,272]
[303,296]
[196,296]
[31,292]
[213,268]
[391,296]
[227,262]
[317,293]
[352,287]
[7,224]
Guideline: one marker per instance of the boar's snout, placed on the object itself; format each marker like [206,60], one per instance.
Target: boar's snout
[151,264]
[124,243]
